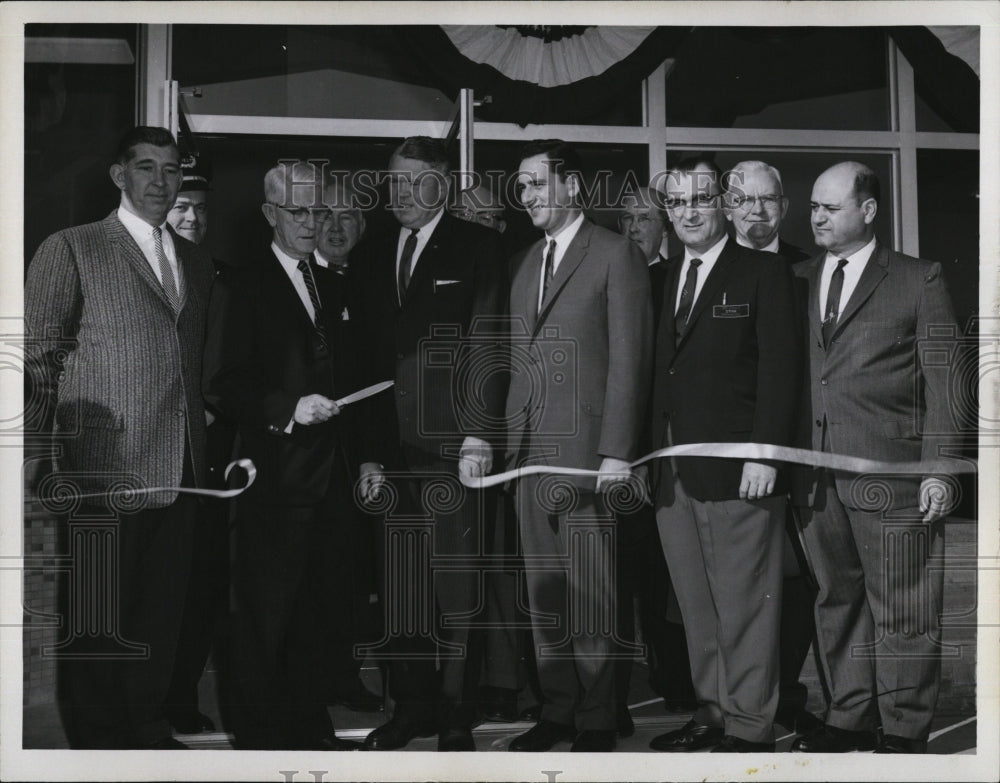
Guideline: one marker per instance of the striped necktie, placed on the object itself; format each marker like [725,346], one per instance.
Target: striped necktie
[166,272]
[307,275]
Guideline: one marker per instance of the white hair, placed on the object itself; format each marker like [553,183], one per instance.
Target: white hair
[756,165]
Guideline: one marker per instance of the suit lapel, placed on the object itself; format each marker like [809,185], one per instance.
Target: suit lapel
[128,249]
[670,303]
[813,277]
[533,269]
[571,259]
[186,267]
[282,286]
[875,272]
[716,278]
[425,262]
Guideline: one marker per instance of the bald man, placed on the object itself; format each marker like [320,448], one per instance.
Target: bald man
[872,395]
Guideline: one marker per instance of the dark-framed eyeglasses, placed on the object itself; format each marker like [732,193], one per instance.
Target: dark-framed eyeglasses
[770,202]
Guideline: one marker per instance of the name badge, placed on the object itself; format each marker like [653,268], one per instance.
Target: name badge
[731,311]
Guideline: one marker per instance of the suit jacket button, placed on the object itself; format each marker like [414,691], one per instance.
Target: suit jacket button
[819,422]
[823,381]
[179,413]
[671,371]
[402,392]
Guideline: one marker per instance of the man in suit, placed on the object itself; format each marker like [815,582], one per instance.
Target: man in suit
[756,206]
[581,297]
[343,228]
[118,310]
[641,566]
[421,292]
[727,356]
[872,395]
[207,601]
[271,365]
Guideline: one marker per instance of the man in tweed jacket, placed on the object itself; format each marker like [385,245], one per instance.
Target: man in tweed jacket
[116,313]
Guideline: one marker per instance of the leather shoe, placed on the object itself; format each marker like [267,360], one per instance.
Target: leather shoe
[830,739]
[691,736]
[398,732]
[534,712]
[191,722]
[594,741]
[623,721]
[357,698]
[891,743]
[456,738]
[498,704]
[333,742]
[731,744]
[541,737]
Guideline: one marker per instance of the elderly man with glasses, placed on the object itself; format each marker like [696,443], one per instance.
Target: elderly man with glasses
[272,366]
[756,206]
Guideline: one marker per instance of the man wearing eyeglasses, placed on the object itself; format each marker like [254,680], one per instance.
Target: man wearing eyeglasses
[757,205]
[727,354]
[273,366]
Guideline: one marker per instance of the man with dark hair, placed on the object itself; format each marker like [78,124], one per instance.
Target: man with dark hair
[117,312]
[421,293]
[727,360]
[580,305]
[873,395]
[273,365]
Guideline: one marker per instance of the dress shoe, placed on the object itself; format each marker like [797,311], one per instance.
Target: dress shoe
[167,743]
[692,736]
[830,739]
[357,698]
[191,722]
[541,737]
[797,719]
[892,743]
[498,704]
[398,732]
[623,721]
[731,744]
[456,738]
[333,742]
[594,741]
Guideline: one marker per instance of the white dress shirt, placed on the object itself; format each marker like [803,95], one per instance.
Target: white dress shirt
[708,259]
[291,267]
[423,237]
[142,233]
[856,264]
[563,240]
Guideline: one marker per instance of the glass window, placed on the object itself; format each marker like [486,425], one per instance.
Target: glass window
[799,171]
[786,77]
[79,99]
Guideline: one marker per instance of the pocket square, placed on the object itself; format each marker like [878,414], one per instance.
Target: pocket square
[345,316]
[441,283]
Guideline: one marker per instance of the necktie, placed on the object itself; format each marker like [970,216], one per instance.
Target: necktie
[832,311]
[687,299]
[166,273]
[550,263]
[405,260]
[307,275]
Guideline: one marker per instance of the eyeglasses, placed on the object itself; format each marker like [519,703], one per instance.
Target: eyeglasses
[701,201]
[301,214]
[769,203]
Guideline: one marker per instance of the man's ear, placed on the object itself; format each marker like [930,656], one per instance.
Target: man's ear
[870,207]
[268,210]
[117,172]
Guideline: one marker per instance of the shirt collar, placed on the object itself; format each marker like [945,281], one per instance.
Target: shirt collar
[709,256]
[567,234]
[772,246]
[857,260]
[135,224]
[290,264]
[427,229]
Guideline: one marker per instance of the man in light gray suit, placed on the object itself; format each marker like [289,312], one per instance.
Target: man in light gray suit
[872,540]
[583,297]
[116,313]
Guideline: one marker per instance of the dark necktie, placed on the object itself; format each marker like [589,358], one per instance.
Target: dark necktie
[687,299]
[832,312]
[550,262]
[405,260]
[307,275]
[166,272]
